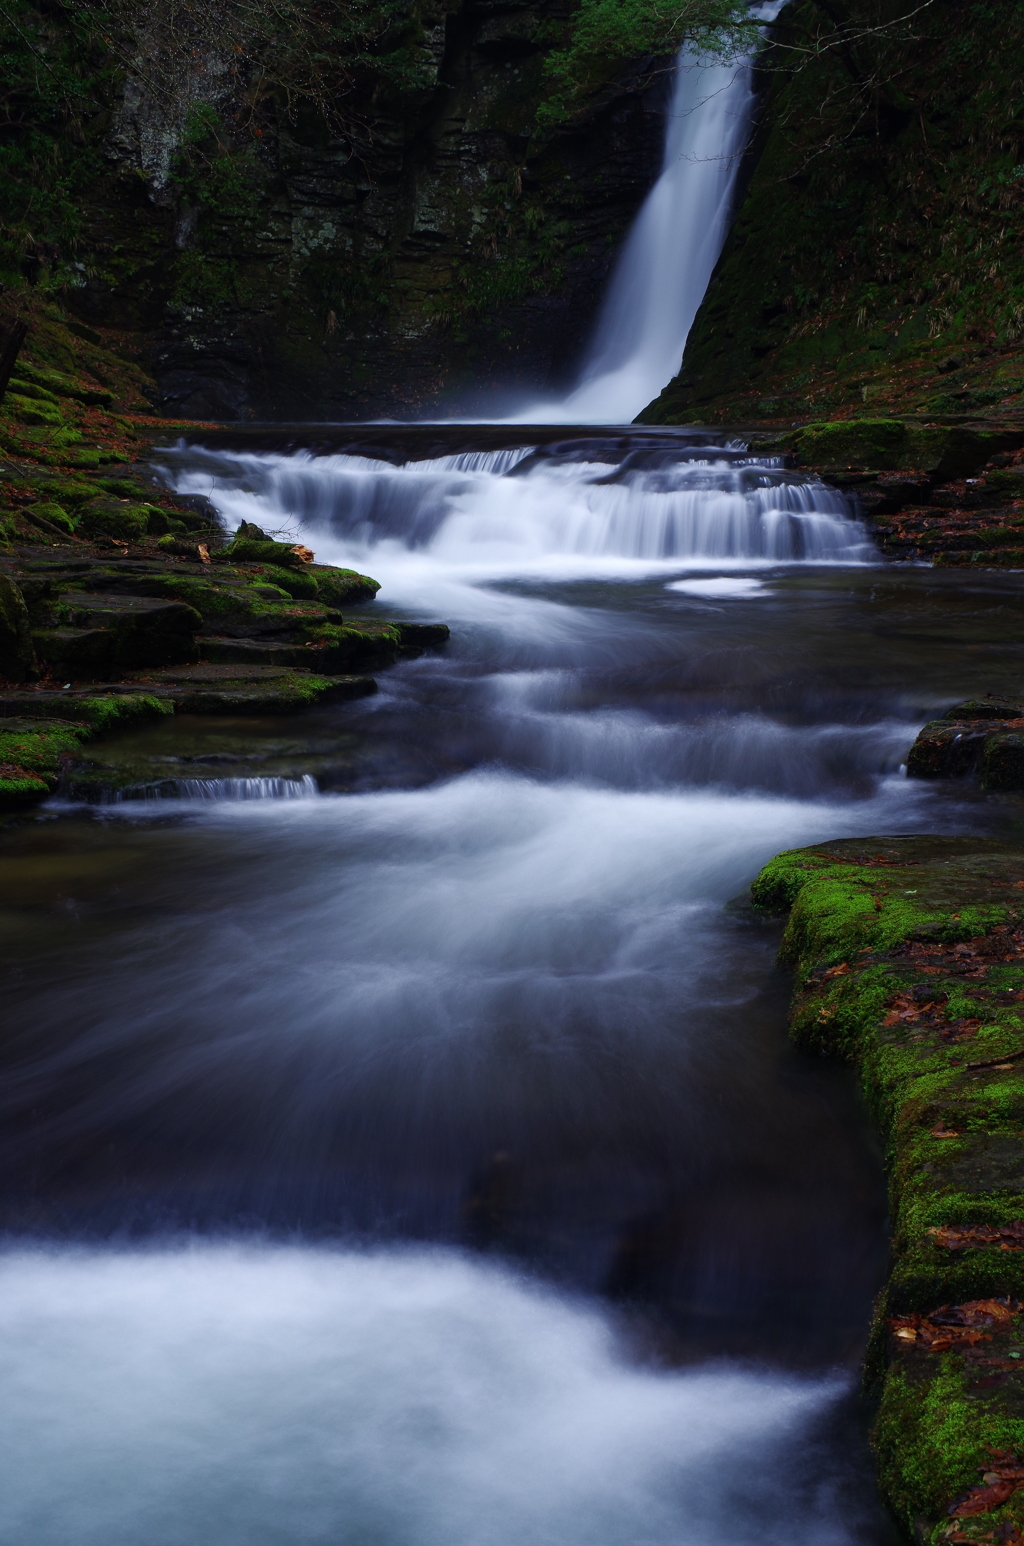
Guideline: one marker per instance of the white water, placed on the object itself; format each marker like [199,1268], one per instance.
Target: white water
[415,1399]
[304,788]
[434,530]
[668,258]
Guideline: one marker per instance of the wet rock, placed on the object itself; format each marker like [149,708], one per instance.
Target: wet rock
[422,636]
[17,656]
[119,629]
[37,747]
[80,654]
[983,735]
[145,631]
[231,688]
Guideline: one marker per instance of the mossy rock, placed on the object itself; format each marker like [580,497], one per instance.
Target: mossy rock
[116,518]
[31,758]
[215,603]
[30,390]
[69,491]
[32,411]
[36,750]
[343,587]
[53,515]
[1008,481]
[56,383]
[894,445]
[297,582]
[251,550]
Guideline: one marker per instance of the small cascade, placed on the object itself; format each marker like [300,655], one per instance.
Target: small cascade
[581,499]
[304,788]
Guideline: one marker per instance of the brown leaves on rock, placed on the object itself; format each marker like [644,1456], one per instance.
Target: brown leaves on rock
[969,957]
[908,1008]
[998,1484]
[954,1326]
[965,1237]
[924,1007]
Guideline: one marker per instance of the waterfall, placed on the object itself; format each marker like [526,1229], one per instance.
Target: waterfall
[671,251]
[303,788]
[578,503]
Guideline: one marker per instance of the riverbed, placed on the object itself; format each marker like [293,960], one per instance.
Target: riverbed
[414,1153]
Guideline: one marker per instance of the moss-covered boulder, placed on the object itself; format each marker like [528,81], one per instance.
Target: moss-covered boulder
[342,587]
[35,410]
[112,517]
[51,516]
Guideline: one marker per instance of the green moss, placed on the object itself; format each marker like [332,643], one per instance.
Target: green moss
[250,550]
[342,587]
[299,583]
[933,1441]
[53,514]
[115,518]
[908,959]
[31,410]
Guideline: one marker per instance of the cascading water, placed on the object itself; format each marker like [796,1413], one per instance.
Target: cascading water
[576,505]
[668,258]
[304,788]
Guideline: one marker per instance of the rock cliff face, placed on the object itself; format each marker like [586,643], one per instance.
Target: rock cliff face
[876,262]
[440,251]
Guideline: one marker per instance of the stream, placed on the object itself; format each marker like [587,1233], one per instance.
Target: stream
[419,1158]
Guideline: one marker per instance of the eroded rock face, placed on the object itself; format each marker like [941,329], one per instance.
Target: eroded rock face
[450,254]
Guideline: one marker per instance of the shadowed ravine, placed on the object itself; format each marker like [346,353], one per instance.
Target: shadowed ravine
[422,1159]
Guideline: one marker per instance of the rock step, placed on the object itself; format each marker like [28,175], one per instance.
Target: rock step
[206,688]
[225,651]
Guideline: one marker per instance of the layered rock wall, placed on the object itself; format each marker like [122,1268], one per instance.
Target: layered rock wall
[432,252]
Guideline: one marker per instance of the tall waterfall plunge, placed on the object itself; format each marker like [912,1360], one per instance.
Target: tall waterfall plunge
[671,251]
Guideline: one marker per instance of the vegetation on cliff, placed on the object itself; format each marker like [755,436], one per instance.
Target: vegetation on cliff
[877,260]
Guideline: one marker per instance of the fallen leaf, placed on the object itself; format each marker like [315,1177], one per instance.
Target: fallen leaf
[962,1237]
[981,1500]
